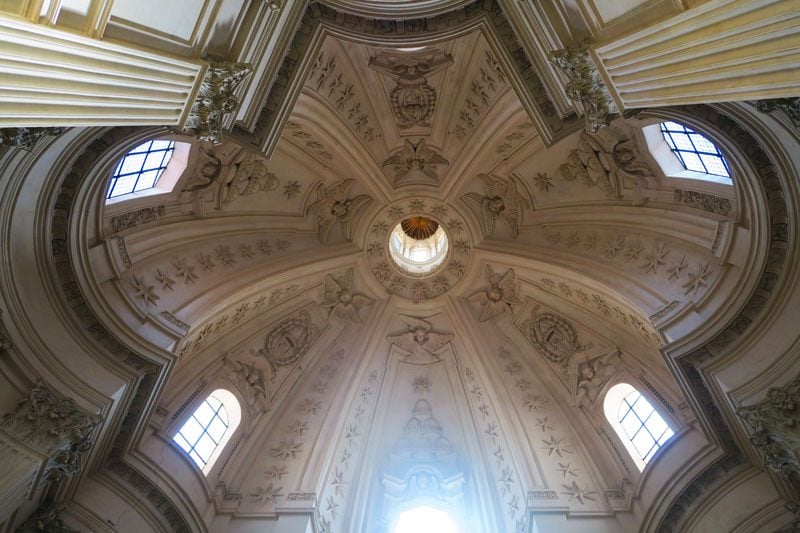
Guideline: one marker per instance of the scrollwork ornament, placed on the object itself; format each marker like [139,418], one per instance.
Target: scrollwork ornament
[774,428]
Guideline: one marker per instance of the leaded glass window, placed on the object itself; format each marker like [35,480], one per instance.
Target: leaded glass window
[642,429]
[141,168]
[209,427]
[693,150]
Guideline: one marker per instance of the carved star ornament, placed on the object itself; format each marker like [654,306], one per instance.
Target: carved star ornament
[339,299]
[333,205]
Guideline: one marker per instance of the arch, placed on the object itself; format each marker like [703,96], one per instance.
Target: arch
[208,429]
[639,425]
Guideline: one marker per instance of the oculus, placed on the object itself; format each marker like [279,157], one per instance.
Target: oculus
[418,245]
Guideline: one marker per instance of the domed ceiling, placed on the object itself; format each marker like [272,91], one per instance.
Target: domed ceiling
[568,267]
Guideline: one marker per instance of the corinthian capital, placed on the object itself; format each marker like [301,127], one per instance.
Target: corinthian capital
[216,98]
[585,87]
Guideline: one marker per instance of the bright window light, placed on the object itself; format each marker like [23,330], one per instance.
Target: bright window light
[695,151]
[425,519]
[141,168]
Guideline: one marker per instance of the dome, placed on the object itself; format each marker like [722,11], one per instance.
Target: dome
[410,270]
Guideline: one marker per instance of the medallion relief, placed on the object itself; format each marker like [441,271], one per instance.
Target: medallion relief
[554,336]
[289,340]
[413,100]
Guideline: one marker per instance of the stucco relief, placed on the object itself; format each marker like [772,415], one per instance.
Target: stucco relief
[415,163]
[554,336]
[289,340]
[504,199]
[341,300]
[413,100]
[333,205]
[216,99]
[497,299]
[420,341]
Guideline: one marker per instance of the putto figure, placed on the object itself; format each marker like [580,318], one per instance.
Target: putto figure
[333,204]
[501,200]
[420,341]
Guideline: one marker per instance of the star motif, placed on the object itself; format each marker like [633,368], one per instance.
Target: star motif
[455,225]
[246,251]
[544,182]
[380,227]
[264,247]
[491,431]
[164,279]
[533,402]
[544,424]
[205,262]
[559,446]
[456,268]
[613,246]
[351,434]
[697,279]
[287,449]
[573,239]
[292,189]
[439,210]
[590,241]
[184,270]
[567,468]
[268,494]
[282,244]
[461,246]
[394,211]
[634,250]
[144,291]
[375,249]
[676,269]
[578,493]
[225,256]
[337,481]
[298,428]
[655,259]
[382,271]
[416,205]
[309,407]
[276,472]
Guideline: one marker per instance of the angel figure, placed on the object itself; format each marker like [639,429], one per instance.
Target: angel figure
[592,376]
[333,204]
[501,200]
[339,298]
[206,173]
[499,297]
[419,341]
[251,382]
[414,159]
[251,177]
[590,164]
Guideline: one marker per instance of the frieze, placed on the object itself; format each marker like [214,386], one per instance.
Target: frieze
[139,217]
[705,201]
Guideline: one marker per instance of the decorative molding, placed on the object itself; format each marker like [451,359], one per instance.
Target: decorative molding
[554,336]
[705,201]
[309,143]
[585,87]
[790,106]
[414,163]
[413,100]
[420,341]
[288,341]
[333,205]
[54,427]
[175,321]
[139,217]
[498,298]
[774,428]
[216,98]
[483,90]
[502,200]
[26,138]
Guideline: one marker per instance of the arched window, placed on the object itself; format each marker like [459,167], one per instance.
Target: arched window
[204,435]
[141,168]
[640,427]
[693,150]
[425,519]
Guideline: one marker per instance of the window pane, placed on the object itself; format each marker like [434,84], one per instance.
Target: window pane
[643,442]
[183,443]
[205,447]
[191,431]
[695,151]
[638,423]
[217,429]
[631,423]
[140,168]
[642,408]
[204,413]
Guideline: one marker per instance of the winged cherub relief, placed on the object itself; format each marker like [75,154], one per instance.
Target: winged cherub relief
[420,341]
[251,177]
[502,200]
[415,161]
[339,299]
[251,381]
[592,375]
[499,297]
[333,204]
